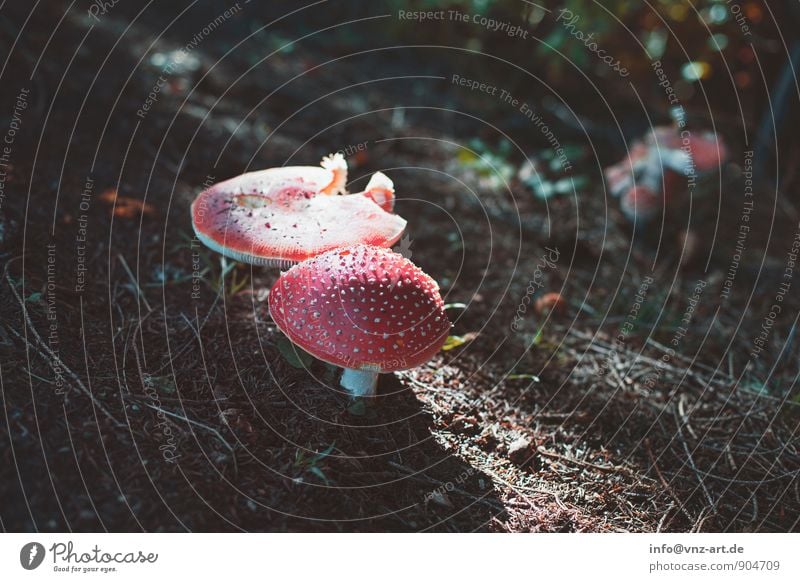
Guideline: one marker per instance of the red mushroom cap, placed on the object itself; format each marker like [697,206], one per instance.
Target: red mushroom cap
[707,150]
[380,190]
[361,307]
[287,214]
[641,202]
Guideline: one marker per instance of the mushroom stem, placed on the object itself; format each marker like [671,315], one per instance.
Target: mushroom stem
[359,382]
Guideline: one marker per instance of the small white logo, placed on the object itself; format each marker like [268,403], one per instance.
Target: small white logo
[405,247]
[31,555]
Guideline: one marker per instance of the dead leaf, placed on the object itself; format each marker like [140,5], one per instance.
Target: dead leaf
[125,206]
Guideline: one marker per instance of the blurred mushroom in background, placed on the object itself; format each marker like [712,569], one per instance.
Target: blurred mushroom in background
[663,169]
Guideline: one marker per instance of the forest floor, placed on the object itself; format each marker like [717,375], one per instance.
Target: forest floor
[152,391]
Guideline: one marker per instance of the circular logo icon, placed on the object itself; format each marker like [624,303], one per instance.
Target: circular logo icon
[31,555]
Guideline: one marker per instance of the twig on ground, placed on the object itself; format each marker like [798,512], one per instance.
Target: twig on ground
[52,358]
[210,429]
[583,464]
[690,460]
[665,484]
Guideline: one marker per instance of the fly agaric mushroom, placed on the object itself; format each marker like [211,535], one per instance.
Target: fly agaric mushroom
[364,308]
[289,214]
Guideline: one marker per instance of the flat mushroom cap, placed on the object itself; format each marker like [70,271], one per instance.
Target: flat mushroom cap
[363,308]
[290,214]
